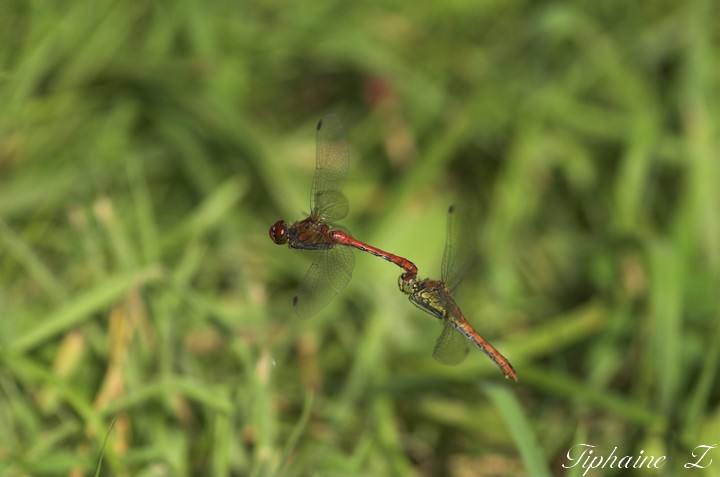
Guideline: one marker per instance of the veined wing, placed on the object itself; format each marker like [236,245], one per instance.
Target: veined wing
[459,255]
[329,273]
[451,346]
[332,163]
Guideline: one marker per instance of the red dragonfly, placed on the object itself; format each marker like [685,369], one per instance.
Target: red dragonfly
[332,266]
[435,297]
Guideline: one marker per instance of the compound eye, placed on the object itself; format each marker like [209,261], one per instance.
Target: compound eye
[278,232]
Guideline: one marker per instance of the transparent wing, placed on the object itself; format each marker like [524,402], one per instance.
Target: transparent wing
[329,273]
[460,254]
[333,159]
[451,347]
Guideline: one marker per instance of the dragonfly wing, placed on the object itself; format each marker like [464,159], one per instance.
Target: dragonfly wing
[459,255]
[451,346]
[329,272]
[333,159]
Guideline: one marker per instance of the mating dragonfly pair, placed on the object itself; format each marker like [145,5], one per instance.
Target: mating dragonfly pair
[332,266]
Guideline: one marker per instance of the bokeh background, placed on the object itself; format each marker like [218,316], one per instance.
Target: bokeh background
[145,316]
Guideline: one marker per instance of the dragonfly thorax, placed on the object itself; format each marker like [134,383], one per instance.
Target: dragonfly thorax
[310,234]
[431,296]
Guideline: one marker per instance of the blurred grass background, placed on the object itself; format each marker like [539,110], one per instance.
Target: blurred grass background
[146,147]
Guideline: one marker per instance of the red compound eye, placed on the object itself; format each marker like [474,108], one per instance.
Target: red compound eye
[278,232]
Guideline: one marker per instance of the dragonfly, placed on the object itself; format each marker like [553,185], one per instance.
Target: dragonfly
[436,297]
[333,263]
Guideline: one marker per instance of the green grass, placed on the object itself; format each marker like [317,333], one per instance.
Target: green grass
[145,317]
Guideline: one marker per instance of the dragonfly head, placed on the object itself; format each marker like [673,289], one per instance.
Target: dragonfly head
[278,232]
[406,282]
